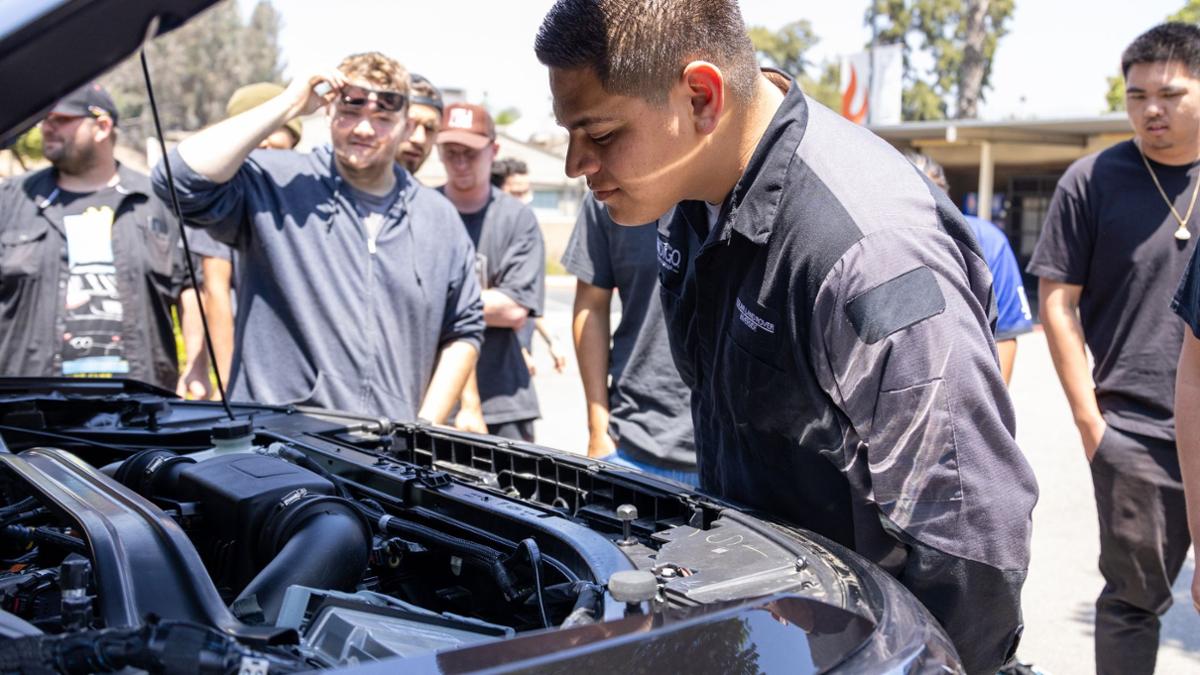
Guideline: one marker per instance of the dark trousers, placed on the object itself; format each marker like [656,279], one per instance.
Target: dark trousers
[1143,543]
[519,430]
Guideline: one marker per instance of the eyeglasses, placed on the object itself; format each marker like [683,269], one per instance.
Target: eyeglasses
[354,97]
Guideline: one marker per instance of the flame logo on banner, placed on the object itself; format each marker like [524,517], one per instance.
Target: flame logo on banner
[860,116]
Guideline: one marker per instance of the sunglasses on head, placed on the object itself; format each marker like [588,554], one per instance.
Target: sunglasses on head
[354,97]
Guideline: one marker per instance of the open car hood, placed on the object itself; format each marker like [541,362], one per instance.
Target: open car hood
[49,48]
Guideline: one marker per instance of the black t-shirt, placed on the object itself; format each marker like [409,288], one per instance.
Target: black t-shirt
[650,406]
[93,343]
[1110,231]
[509,257]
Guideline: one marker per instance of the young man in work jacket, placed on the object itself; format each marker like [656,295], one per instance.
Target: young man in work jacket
[827,304]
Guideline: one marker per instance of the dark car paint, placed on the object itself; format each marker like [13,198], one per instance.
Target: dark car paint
[857,618]
[51,47]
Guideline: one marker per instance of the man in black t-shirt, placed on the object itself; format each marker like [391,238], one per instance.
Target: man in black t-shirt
[90,263]
[638,408]
[510,260]
[1115,243]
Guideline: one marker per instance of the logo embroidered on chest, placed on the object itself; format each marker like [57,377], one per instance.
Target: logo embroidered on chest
[753,321]
[669,257]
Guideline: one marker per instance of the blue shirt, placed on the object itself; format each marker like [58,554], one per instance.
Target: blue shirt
[1012,307]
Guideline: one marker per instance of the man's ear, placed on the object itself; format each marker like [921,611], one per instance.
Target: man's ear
[104,128]
[705,86]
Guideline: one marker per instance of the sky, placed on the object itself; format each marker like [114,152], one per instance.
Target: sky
[1053,63]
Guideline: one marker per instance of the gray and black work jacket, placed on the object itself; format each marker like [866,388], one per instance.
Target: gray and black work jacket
[33,278]
[835,327]
[329,315]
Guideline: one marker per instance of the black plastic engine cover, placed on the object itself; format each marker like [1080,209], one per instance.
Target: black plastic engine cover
[237,495]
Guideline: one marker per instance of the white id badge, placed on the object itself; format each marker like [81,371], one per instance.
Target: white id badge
[89,237]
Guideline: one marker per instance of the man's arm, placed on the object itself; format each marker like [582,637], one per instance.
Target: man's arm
[470,407]
[552,344]
[217,152]
[590,329]
[1007,349]
[899,343]
[1187,439]
[455,363]
[218,306]
[1059,304]
[193,377]
[501,311]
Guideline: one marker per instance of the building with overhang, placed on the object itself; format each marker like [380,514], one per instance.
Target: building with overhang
[1006,171]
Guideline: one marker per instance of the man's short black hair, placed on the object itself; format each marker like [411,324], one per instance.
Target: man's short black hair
[929,166]
[639,47]
[1171,41]
[509,166]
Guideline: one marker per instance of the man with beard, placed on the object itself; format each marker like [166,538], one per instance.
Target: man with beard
[425,115]
[357,285]
[90,262]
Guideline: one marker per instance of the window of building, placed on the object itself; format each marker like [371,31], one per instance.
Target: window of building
[546,200]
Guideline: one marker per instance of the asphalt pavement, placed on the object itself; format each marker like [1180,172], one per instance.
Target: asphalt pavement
[1063,579]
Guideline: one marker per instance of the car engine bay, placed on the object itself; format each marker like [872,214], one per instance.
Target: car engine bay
[142,532]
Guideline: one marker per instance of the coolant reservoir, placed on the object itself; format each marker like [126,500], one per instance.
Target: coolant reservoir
[228,437]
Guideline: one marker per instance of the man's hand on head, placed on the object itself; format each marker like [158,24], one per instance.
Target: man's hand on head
[308,95]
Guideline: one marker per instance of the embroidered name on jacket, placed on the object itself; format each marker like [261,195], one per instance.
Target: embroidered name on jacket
[753,321]
[669,257]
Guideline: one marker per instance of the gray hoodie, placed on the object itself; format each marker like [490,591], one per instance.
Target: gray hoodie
[327,315]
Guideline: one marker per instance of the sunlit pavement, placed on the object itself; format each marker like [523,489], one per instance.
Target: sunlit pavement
[1063,580]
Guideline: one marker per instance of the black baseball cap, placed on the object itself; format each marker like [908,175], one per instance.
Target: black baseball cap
[89,100]
[433,100]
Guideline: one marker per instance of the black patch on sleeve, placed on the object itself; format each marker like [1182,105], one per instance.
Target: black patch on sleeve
[895,305]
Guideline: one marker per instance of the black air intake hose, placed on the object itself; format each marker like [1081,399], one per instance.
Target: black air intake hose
[318,541]
[152,473]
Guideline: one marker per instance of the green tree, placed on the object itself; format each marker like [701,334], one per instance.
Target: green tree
[1190,13]
[28,147]
[197,68]
[787,49]
[507,116]
[961,38]
[1116,93]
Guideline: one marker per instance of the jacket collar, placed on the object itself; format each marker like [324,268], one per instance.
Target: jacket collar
[43,185]
[341,187]
[753,205]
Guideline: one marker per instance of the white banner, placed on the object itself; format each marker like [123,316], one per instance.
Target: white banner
[885,80]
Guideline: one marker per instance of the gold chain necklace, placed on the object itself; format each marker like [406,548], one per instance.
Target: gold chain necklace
[1182,233]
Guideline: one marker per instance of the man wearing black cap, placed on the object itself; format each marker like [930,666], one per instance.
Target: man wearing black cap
[510,262]
[90,263]
[425,119]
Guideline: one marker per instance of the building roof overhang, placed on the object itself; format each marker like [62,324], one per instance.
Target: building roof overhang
[1066,131]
